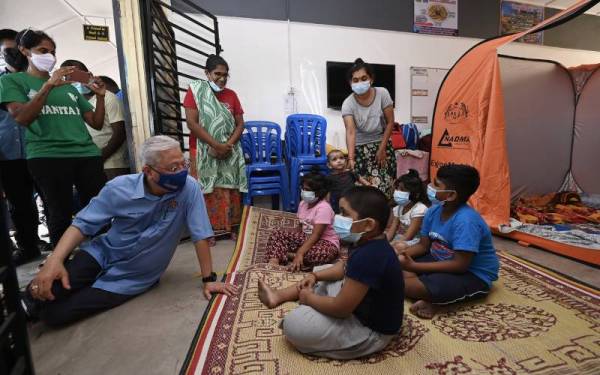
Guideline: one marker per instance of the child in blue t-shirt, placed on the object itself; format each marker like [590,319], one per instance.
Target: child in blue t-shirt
[455,259]
[354,308]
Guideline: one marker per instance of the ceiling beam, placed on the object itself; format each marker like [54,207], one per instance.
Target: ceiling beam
[85,19]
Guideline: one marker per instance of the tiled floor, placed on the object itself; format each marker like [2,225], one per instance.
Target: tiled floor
[578,271]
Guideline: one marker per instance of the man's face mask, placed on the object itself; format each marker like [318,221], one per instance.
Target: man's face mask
[172,182]
[83,90]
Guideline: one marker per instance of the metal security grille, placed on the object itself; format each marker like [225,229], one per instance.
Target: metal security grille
[178,37]
[15,356]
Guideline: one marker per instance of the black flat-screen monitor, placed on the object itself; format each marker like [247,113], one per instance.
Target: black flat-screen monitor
[338,87]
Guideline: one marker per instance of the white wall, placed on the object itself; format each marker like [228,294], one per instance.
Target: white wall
[257,52]
[59,21]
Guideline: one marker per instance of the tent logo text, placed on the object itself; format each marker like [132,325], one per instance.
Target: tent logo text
[454,141]
[456,112]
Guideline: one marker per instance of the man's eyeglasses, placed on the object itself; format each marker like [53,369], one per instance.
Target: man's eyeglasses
[174,168]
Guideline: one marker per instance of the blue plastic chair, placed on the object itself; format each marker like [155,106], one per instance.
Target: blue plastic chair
[305,141]
[266,171]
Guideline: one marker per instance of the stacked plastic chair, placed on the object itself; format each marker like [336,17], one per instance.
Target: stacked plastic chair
[266,171]
[305,141]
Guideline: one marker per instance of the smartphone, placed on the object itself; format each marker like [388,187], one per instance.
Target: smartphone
[79,76]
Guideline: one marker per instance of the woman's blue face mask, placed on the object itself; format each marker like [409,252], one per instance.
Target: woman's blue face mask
[361,87]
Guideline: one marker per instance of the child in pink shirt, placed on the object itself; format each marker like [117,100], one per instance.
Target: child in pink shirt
[315,241]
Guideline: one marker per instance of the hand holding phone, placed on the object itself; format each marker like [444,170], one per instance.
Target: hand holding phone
[79,76]
[96,85]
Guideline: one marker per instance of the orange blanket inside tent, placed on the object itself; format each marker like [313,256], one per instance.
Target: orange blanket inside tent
[554,208]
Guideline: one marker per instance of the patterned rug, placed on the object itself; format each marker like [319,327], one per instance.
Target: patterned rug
[533,322]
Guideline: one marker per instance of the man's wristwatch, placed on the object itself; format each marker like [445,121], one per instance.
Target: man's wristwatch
[210,279]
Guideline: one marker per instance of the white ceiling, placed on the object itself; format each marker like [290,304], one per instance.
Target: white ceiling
[63,20]
[97,8]
[561,4]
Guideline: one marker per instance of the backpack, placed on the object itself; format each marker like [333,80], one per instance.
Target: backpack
[397,137]
[410,132]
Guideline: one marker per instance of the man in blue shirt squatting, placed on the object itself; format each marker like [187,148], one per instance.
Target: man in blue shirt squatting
[147,213]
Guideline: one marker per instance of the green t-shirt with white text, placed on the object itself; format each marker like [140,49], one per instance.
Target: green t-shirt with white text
[59,131]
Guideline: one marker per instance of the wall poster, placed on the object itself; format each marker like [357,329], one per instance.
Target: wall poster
[516,17]
[436,17]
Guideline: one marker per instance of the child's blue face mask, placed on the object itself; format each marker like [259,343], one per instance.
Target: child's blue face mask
[342,226]
[432,194]
[401,197]
[308,196]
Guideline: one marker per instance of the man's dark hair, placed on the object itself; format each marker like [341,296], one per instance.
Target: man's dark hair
[368,201]
[15,59]
[462,178]
[8,34]
[111,85]
[76,63]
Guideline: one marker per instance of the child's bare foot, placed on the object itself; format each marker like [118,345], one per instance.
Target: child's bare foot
[423,309]
[266,295]
[274,261]
[415,306]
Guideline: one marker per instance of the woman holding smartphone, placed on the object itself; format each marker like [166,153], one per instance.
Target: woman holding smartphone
[60,151]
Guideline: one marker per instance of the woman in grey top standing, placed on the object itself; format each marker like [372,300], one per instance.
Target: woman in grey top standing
[368,115]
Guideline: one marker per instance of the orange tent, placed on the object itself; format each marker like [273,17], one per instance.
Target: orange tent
[470,127]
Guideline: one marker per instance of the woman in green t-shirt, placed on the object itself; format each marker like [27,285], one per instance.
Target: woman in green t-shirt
[60,151]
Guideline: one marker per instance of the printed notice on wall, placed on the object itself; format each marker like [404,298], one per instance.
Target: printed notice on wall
[94,32]
[424,86]
[516,17]
[437,17]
